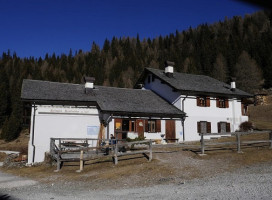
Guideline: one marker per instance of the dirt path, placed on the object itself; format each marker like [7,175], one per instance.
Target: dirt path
[246,183]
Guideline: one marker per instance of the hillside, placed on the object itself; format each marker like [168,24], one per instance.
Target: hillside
[261,115]
[240,47]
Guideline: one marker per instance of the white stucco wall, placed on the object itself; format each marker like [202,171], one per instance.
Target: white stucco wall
[156,135]
[213,114]
[162,90]
[59,121]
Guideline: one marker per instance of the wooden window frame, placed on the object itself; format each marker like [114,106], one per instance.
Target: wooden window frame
[153,125]
[222,103]
[244,109]
[203,101]
[227,127]
[208,126]
[132,124]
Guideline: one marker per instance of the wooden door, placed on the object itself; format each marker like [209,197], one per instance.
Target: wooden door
[170,130]
[140,127]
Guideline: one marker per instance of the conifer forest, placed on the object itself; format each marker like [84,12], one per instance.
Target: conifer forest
[239,47]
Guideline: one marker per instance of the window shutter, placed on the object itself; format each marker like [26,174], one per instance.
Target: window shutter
[226,103]
[228,127]
[198,127]
[219,127]
[158,125]
[146,125]
[197,101]
[208,102]
[208,127]
[217,102]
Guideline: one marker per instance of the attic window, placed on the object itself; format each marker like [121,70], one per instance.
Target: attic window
[203,101]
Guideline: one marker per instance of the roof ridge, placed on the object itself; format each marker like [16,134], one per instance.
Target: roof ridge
[182,73]
[51,82]
[102,86]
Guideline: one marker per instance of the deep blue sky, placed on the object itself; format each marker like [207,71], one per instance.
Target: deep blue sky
[37,27]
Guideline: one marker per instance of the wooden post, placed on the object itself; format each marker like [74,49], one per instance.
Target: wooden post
[150,150]
[58,162]
[115,154]
[202,145]
[81,162]
[60,144]
[270,138]
[238,143]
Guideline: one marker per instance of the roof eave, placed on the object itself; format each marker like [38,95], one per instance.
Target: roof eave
[145,115]
[216,94]
[59,102]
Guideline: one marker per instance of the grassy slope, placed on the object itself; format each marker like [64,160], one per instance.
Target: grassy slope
[20,144]
[261,115]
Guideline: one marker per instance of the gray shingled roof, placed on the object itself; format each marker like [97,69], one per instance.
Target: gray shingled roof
[134,101]
[196,83]
[46,90]
[130,102]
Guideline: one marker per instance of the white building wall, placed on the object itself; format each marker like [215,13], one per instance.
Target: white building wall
[163,90]
[211,114]
[63,122]
[156,135]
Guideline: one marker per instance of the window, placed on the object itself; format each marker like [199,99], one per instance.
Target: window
[222,103]
[203,101]
[152,126]
[223,127]
[125,125]
[132,126]
[204,127]
[244,109]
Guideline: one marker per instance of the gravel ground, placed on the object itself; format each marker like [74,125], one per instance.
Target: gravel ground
[252,182]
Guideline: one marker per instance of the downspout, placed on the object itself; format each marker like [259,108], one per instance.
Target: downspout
[183,119]
[108,127]
[32,136]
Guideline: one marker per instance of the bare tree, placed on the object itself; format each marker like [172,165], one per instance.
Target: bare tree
[248,74]
[220,68]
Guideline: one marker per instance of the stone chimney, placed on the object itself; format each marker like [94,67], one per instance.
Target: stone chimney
[169,68]
[89,84]
[233,84]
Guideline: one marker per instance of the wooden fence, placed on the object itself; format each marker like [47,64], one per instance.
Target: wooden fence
[238,141]
[82,150]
